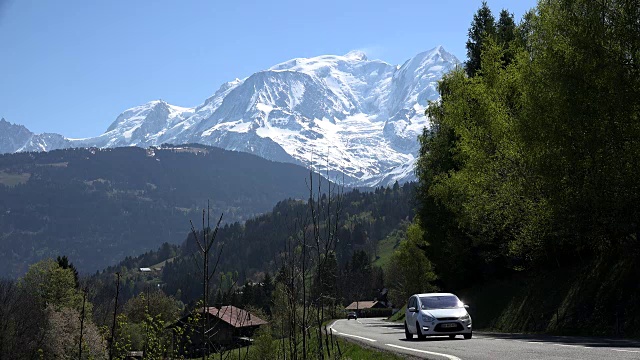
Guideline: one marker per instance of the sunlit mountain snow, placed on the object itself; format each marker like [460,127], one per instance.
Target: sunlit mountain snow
[342,114]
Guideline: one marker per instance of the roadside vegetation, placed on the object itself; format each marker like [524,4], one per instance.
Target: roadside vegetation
[135,306]
[528,172]
[265,346]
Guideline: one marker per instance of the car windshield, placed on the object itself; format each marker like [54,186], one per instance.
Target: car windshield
[440,302]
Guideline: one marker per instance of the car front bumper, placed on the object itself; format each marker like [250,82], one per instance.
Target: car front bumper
[446,327]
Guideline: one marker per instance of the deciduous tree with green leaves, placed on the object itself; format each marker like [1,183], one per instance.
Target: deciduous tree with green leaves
[52,285]
[532,150]
[410,271]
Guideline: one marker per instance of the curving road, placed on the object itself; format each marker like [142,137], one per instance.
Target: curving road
[484,346]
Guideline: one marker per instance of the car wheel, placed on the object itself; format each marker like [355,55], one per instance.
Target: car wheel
[468,336]
[452,336]
[407,334]
[420,335]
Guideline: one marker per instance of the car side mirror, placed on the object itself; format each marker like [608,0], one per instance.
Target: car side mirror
[412,309]
[466,306]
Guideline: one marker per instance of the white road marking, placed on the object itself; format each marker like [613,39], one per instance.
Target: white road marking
[358,337]
[450,357]
[353,336]
[567,345]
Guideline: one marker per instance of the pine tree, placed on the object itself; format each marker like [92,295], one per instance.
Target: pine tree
[506,35]
[482,26]
[64,263]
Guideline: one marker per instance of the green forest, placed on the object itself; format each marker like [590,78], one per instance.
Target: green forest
[258,266]
[529,170]
[98,206]
[255,250]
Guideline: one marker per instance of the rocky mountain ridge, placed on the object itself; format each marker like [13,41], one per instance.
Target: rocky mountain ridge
[345,116]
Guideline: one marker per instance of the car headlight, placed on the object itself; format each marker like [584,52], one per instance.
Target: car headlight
[465,318]
[427,318]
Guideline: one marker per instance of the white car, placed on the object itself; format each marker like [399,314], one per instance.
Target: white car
[437,314]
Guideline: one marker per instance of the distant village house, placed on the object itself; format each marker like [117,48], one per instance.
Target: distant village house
[369,308]
[226,327]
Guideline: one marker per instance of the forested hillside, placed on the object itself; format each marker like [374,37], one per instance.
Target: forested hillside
[529,172]
[254,248]
[259,270]
[99,206]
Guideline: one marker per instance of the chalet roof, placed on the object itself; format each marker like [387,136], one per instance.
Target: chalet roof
[234,316]
[356,305]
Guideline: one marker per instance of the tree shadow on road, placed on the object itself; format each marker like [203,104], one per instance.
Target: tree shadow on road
[567,340]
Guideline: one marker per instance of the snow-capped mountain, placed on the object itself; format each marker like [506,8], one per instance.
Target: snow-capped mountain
[15,138]
[140,126]
[338,114]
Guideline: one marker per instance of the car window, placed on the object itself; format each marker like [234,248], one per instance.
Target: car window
[412,302]
[440,302]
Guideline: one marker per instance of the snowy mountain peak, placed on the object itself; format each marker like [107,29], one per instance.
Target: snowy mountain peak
[338,114]
[156,108]
[228,85]
[14,138]
[431,57]
[313,64]
[136,113]
[357,55]
[153,104]
[438,54]
[6,126]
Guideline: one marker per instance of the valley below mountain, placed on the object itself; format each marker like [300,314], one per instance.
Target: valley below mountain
[98,206]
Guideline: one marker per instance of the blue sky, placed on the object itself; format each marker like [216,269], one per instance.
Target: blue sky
[71,66]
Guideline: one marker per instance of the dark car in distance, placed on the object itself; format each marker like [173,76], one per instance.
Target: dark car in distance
[352,315]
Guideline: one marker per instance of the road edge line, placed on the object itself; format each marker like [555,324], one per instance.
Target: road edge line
[353,336]
[450,357]
[338,333]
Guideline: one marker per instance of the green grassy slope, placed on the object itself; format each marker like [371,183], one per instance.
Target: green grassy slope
[387,246]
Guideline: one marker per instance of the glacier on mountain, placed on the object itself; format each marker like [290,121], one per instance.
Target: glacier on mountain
[344,116]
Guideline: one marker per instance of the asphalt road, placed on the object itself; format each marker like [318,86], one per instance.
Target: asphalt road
[490,346]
